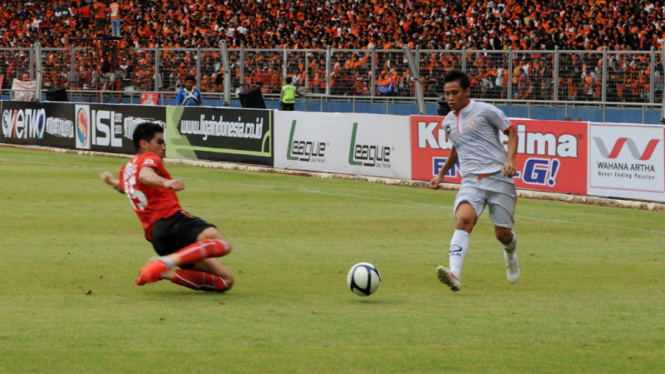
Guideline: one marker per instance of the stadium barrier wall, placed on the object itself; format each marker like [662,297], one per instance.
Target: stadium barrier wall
[549,111]
[217,134]
[220,134]
[95,127]
[361,144]
[587,158]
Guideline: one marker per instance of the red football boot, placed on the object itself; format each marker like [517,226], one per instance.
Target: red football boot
[152,272]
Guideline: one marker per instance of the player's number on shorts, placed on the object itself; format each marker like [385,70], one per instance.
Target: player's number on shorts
[136,197]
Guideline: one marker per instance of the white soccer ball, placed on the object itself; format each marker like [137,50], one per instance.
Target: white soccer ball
[363,279]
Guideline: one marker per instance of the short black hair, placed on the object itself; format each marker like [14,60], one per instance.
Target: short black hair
[145,131]
[289,80]
[190,78]
[456,75]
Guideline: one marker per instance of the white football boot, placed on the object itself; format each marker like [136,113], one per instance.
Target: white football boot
[448,278]
[512,267]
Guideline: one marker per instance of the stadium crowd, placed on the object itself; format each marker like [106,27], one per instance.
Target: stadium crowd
[621,26]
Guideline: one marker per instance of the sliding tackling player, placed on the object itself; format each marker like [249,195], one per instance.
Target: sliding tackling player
[487,171]
[181,239]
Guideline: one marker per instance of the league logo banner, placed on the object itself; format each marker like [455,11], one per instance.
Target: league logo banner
[627,161]
[32,123]
[361,144]
[551,155]
[220,134]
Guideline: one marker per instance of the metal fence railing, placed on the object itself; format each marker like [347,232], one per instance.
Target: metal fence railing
[596,78]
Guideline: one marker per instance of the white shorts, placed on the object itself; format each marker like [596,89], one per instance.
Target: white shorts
[494,190]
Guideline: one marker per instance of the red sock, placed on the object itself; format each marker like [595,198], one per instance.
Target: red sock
[202,250]
[198,280]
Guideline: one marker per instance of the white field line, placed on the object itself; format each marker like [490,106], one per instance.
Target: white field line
[536,195]
[375,198]
[485,212]
[101,168]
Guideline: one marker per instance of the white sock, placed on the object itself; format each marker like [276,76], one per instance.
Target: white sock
[510,248]
[168,261]
[459,245]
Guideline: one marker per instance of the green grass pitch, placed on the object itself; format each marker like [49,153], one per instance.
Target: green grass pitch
[591,298]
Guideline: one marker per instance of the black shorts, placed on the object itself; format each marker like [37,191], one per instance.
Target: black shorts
[285,106]
[176,232]
[100,24]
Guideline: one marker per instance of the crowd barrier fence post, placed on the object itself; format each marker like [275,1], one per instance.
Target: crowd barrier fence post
[556,74]
[38,64]
[662,107]
[158,77]
[420,100]
[373,74]
[604,80]
[198,67]
[652,76]
[328,57]
[227,74]
[510,74]
[242,68]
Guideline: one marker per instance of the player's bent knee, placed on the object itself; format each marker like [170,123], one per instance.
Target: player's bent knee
[210,233]
[504,235]
[229,282]
[227,245]
[464,223]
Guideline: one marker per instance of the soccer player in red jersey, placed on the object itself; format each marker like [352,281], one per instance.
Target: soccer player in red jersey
[180,239]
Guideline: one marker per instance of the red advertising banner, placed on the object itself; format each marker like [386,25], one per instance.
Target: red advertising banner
[149,98]
[551,155]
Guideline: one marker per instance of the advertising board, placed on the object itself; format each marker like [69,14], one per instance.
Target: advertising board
[95,127]
[220,134]
[627,161]
[349,143]
[551,155]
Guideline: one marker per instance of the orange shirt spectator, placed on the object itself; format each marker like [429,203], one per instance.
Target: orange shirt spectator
[100,9]
[114,10]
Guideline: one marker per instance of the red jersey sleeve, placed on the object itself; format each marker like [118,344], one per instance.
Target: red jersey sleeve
[152,161]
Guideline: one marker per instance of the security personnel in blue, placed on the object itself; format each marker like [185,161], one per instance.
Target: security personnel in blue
[189,96]
[287,100]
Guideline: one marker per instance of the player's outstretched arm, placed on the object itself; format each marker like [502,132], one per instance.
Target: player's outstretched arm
[450,162]
[110,180]
[509,168]
[149,178]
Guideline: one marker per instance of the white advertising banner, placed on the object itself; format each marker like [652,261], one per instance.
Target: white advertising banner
[350,143]
[23,91]
[627,161]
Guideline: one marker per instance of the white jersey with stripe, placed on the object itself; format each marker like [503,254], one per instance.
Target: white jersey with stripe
[475,131]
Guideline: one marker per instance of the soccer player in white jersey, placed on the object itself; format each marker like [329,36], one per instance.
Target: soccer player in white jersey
[487,170]
[189,96]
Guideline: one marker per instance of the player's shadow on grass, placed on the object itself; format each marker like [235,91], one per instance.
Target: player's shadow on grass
[198,294]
